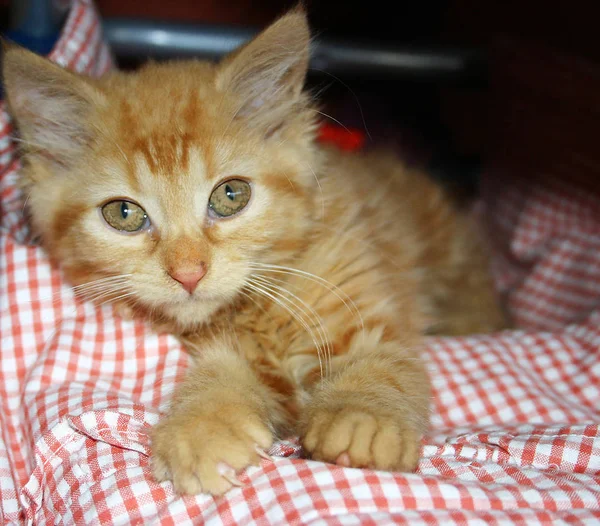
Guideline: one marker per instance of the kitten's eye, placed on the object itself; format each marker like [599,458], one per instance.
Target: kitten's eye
[125,216]
[229,197]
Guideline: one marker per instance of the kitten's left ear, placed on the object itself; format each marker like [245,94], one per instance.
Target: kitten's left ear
[51,105]
[267,74]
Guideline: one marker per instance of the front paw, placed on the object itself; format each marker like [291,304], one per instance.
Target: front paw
[201,451]
[360,435]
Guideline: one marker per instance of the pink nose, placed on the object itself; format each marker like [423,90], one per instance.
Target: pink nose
[189,279]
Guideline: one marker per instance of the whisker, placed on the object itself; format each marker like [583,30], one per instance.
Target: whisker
[339,293]
[314,316]
[103,294]
[271,282]
[80,290]
[93,290]
[320,190]
[115,143]
[258,305]
[112,300]
[332,118]
[362,115]
[25,202]
[104,287]
[98,288]
[100,282]
[294,314]
[287,283]
[290,181]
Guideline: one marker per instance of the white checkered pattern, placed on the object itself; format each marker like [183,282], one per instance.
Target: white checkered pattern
[515,440]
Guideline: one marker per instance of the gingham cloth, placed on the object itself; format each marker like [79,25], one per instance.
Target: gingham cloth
[515,437]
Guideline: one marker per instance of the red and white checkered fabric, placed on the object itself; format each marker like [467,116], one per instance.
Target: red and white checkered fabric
[516,429]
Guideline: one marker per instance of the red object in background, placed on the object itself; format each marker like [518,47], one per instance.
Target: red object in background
[344,138]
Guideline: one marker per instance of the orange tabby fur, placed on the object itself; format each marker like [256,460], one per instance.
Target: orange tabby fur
[367,254]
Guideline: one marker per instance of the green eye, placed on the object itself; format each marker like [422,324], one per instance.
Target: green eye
[125,216]
[229,197]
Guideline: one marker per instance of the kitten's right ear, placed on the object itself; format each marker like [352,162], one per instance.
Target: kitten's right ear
[267,74]
[50,105]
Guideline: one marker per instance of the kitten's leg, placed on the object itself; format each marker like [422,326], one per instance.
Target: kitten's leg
[220,421]
[371,412]
[463,301]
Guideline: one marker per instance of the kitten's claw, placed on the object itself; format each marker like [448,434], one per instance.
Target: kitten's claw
[228,473]
[263,454]
[202,451]
[343,460]
[159,469]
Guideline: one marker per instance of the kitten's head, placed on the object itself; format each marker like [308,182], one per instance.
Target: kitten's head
[171,183]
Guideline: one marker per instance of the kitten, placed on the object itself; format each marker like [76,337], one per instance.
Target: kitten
[302,279]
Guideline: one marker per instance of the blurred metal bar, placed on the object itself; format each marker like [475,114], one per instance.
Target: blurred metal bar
[136,39]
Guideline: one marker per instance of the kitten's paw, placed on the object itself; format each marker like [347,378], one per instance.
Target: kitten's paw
[202,452]
[361,438]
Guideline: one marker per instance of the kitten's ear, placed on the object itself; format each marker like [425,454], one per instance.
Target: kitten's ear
[267,74]
[50,105]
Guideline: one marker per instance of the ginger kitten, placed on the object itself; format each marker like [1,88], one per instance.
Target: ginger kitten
[302,279]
